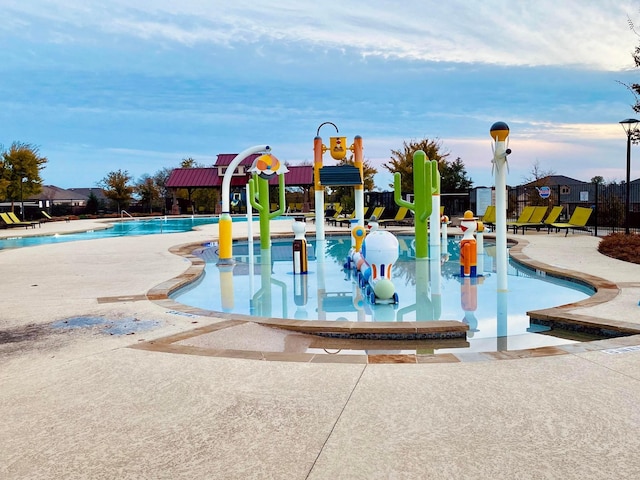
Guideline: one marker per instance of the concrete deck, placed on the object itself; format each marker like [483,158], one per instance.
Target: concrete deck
[80,403]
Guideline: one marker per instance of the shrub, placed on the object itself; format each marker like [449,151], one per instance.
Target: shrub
[621,246]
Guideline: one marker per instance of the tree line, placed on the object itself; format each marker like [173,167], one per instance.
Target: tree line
[21,166]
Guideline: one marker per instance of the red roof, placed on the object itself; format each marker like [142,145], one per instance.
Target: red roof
[193,177]
[298,175]
[225,159]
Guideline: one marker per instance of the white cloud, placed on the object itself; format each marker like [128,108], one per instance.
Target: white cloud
[587,33]
[211,76]
[575,131]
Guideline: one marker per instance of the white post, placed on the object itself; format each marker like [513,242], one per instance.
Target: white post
[321,251]
[444,233]
[249,224]
[359,206]
[480,252]
[434,223]
[319,197]
[500,133]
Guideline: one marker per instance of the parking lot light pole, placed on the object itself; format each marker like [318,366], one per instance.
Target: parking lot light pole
[629,125]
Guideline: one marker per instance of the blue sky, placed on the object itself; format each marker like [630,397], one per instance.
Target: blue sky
[101,86]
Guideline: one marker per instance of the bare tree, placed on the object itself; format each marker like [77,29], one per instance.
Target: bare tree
[539,177]
[538,174]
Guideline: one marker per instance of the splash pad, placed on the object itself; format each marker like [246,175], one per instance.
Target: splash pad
[428,291]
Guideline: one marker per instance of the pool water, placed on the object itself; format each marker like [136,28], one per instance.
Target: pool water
[427,290]
[123,228]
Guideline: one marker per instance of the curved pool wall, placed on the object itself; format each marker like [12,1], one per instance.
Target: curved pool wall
[427,290]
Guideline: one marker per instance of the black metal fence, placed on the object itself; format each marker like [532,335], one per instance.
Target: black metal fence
[454,203]
[608,202]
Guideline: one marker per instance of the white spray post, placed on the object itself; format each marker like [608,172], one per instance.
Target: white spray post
[480,248]
[250,242]
[434,220]
[444,223]
[500,134]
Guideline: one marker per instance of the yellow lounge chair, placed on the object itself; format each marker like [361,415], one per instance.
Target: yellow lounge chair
[377,212]
[524,217]
[399,219]
[552,217]
[535,219]
[489,217]
[347,220]
[578,221]
[15,219]
[12,224]
[340,218]
[336,214]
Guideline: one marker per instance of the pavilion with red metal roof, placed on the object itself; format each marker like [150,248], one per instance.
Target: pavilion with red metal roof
[211,177]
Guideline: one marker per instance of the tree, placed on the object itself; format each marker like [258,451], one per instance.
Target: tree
[190,163]
[634,88]
[453,174]
[117,189]
[368,172]
[148,192]
[538,175]
[345,195]
[610,204]
[20,167]
[160,178]
[93,204]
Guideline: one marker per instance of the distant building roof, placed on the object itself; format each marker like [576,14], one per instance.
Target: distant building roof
[552,180]
[51,192]
[87,191]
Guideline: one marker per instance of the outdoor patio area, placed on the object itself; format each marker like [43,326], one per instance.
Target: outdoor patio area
[90,399]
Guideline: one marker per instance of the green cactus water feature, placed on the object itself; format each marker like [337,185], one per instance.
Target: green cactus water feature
[426,182]
[260,201]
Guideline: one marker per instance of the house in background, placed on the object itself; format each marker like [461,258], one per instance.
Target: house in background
[60,201]
[95,191]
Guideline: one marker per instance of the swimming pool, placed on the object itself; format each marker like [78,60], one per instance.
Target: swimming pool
[427,290]
[143,226]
